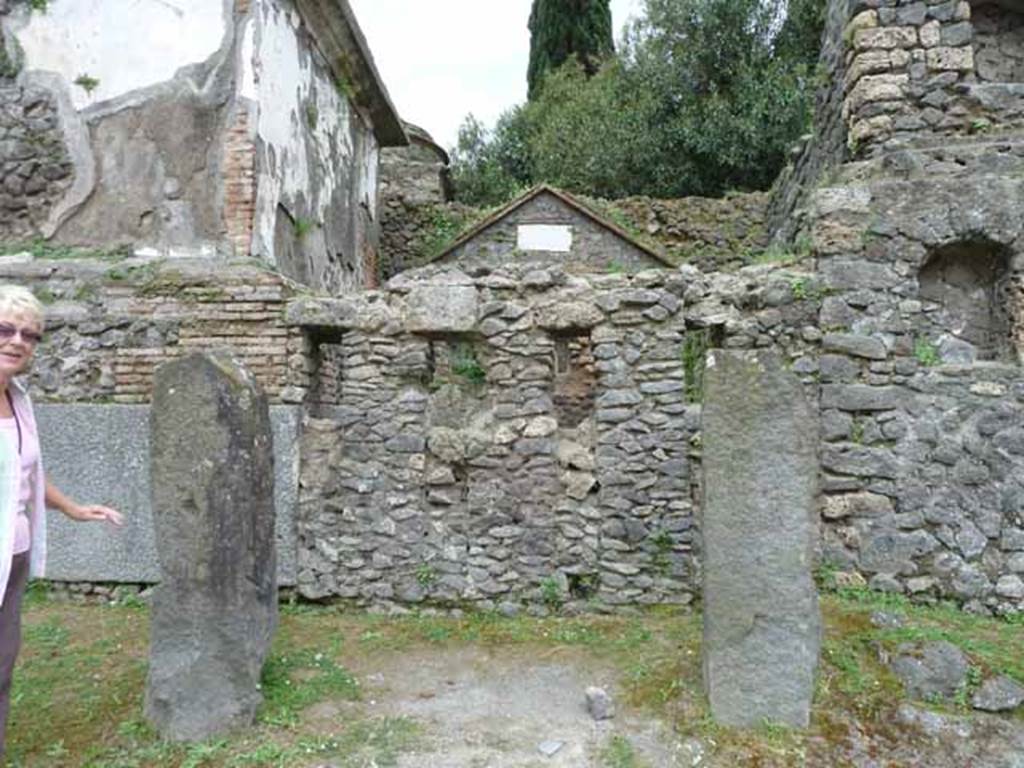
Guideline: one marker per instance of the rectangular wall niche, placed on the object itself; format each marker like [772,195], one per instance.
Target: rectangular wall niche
[969,284]
[575,379]
[328,365]
[456,360]
[556,238]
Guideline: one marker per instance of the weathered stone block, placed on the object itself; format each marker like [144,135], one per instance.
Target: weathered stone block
[845,274]
[868,63]
[569,315]
[872,88]
[945,58]
[331,315]
[861,397]
[955,35]
[885,37]
[215,609]
[864,504]
[442,308]
[102,452]
[855,345]
[894,551]
[762,624]
[866,130]
[860,461]
[931,34]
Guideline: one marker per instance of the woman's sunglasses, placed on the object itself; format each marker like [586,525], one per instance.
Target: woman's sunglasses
[7,332]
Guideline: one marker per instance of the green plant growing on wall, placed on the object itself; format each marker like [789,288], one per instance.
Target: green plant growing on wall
[441,231]
[799,287]
[980,126]
[41,249]
[926,353]
[695,349]
[466,365]
[39,5]
[662,543]
[773,254]
[551,593]
[426,575]
[87,83]
[345,89]
[10,60]
[85,292]
[303,227]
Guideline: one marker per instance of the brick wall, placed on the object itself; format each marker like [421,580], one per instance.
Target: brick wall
[240,182]
[110,324]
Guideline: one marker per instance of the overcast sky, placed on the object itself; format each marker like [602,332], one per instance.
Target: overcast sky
[441,60]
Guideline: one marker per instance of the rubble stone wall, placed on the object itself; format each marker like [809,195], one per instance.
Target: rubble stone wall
[35,169]
[709,233]
[528,434]
[531,435]
[899,74]
[915,71]
[524,434]
[921,392]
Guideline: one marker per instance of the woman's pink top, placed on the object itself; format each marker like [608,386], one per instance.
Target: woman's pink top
[28,458]
[12,479]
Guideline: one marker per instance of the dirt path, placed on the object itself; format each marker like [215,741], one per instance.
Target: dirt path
[484,710]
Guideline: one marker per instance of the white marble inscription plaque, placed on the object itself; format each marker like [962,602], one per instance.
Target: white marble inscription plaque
[544,237]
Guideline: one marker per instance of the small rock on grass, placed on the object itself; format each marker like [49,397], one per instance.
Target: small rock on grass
[886,620]
[932,669]
[693,753]
[550,748]
[600,704]
[999,694]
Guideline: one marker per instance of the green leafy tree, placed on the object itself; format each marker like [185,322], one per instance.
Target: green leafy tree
[705,96]
[564,29]
[590,135]
[486,167]
[730,97]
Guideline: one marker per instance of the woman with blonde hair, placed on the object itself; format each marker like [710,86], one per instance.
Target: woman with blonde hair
[24,490]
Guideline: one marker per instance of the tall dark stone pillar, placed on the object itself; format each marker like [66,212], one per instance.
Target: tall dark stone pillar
[215,609]
[762,623]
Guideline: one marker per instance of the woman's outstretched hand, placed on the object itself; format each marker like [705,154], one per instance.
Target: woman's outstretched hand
[95,513]
[85,513]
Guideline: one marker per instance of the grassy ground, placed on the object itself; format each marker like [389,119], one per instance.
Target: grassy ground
[78,688]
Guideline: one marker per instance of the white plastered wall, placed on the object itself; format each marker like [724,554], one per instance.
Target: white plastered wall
[115,47]
[307,141]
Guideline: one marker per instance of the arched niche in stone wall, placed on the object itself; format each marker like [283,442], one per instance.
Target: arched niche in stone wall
[969,282]
[998,40]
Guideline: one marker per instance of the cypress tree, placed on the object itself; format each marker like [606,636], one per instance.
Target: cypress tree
[563,28]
